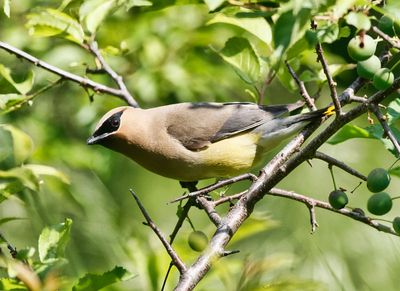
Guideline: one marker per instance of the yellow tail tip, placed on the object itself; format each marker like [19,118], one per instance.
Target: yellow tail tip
[329,111]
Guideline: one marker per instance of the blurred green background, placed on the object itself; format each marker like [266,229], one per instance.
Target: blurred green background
[171,59]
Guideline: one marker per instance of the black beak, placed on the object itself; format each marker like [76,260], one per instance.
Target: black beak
[97,139]
[92,140]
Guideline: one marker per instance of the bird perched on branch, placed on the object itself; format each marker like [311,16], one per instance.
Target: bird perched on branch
[194,141]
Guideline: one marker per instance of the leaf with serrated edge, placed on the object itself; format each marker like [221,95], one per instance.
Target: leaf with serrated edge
[256,26]
[51,22]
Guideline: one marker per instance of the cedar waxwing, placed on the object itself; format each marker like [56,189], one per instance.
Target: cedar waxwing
[194,141]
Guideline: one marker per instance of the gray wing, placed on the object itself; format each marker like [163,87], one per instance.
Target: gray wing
[197,125]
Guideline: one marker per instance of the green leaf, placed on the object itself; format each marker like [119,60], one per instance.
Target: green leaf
[213,4]
[388,143]
[24,177]
[298,48]
[285,29]
[256,26]
[51,22]
[52,241]
[93,12]
[10,101]
[23,87]
[95,282]
[25,254]
[393,111]
[240,55]
[137,3]
[349,131]
[9,284]
[344,31]
[8,219]
[335,69]
[6,8]
[359,20]
[395,171]
[41,170]
[328,33]
[22,145]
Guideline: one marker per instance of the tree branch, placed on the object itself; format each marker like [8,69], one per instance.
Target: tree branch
[392,42]
[174,256]
[303,91]
[331,83]
[388,131]
[215,186]
[84,82]
[332,161]
[311,203]
[94,49]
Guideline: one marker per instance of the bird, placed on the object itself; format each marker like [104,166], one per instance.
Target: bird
[195,141]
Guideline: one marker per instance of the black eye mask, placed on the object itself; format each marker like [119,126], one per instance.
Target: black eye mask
[110,125]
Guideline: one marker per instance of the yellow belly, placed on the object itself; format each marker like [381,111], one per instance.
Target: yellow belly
[230,157]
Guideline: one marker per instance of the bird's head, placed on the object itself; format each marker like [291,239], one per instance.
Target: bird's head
[108,127]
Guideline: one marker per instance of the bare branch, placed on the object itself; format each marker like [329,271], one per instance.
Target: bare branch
[331,82]
[94,49]
[392,42]
[313,218]
[229,198]
[310,202]
[209,208]
[84,82]
[216,185]
[332,161]
[174,256]
[386,128]
[303,91]
[13,250]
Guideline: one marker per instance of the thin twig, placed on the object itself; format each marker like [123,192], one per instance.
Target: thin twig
[84,82]
[216,185]
[174,256]
[94,49]
[392,42]
[388,131]
[267,82]
[209,208]
[331,82]
[229,198]
[303,90]
[13,250]
[332,161]
[313,218]
[357,215]
[358,99]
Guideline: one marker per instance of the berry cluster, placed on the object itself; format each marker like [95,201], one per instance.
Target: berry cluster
[362,48]
[379,203]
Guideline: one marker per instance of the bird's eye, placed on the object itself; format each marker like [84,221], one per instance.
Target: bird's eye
[115,122]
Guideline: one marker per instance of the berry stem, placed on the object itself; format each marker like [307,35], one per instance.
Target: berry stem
[395,162]
[397,197]
[381,219]
[333,176]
